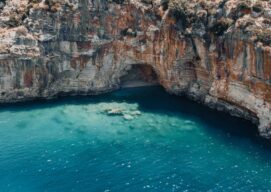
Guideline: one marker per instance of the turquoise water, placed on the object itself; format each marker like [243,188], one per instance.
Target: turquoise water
[132,140]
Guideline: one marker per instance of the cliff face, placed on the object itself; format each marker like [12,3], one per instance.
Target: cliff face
[215,52]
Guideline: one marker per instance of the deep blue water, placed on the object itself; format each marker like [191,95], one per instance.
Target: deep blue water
[155,142]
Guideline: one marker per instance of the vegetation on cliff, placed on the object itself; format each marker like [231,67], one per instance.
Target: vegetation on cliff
[251,17]
[195,17]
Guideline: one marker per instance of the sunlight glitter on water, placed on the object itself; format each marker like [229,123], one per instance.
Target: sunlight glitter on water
[130,140]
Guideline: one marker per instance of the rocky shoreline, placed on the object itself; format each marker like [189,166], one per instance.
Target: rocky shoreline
[215,52]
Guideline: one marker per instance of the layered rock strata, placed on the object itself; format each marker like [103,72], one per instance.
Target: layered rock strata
[215,52]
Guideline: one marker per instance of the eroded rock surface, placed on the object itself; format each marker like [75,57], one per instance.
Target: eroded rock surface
[215,52]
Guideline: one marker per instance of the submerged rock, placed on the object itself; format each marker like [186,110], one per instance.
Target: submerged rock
[115,111]
[135,113]
[128,117]
[126,114]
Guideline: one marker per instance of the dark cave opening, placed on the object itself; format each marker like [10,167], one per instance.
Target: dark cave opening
[139,75]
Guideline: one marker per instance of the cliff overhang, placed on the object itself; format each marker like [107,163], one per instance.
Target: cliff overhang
[215,52]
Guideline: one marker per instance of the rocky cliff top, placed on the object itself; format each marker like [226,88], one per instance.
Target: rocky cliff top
[197,17]
[252,17]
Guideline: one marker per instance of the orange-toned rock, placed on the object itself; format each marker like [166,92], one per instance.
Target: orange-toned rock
[215,52]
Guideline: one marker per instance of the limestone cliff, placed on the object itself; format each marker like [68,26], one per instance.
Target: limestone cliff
[214,51]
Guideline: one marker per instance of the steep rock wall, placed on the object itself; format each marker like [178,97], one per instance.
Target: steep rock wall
[51,48]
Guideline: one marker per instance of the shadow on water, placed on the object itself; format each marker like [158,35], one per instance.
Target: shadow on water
[156,100]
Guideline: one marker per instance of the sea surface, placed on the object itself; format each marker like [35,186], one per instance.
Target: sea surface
[139,139]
